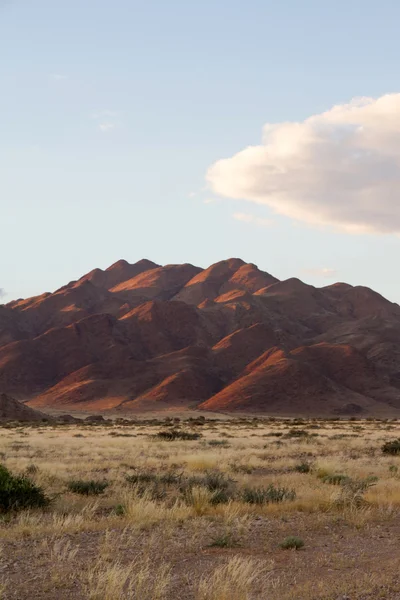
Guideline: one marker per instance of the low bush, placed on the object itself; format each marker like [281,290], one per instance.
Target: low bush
[297,433]
[176,434]
[392,447]
[225,540]
[18,492]
[143,477]
[303,467]
[292,542]
[352,492]
[270,494]
[221,488]
[87,488]
[335,479]
[222,443]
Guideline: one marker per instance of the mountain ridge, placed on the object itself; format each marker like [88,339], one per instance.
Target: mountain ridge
[229,337]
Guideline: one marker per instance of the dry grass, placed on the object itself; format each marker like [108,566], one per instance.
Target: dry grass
[151,540]
[232,581]
[115,581]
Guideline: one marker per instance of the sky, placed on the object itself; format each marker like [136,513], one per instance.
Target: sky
[187,131]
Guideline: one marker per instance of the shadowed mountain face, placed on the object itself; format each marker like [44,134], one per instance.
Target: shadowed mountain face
[228,338]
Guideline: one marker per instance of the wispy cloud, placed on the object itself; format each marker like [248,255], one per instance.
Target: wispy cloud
[2,292]
[106,127]
[339,168]
[252,219]
[107,120]
[324,272]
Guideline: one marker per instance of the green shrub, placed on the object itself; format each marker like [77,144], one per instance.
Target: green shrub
[119,510]
[222,443]
[143,477]
[87,488]
[222,488]
[271,494]
[335,479]
[297,433]
[18,492]
[176,434]
[225,540]
[292,543]
[303,467]
[153,490]
[392,447]
[215,480]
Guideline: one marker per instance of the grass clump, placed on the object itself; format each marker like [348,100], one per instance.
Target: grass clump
[18,492]
[270,494]
[292,542]
[303,467]
[392,447]
[352,492]
[335,479]
[143,477]
[225,540]
[220,487]
[175,434]
[231,581]
[87,488]
[297,433]
[221,443]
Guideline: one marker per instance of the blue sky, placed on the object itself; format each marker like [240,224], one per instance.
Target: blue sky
[112,113]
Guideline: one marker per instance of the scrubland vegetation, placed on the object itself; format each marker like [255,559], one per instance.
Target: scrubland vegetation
[198,509]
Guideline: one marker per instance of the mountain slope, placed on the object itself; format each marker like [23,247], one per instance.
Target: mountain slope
[230,337]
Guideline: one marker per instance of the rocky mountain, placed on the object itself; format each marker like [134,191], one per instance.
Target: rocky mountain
[12,410]
[228,338]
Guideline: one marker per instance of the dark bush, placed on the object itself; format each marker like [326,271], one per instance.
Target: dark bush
[292,542]
[267,495]
[144,477]
[297,433]
[303,467]
[18,492]
[222,488]
[225,540]
[392,447]
[176,434]
[335,479]
[222,443]
[168,478]
[87,488]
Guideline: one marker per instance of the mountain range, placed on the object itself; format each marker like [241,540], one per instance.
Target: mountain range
[231,337]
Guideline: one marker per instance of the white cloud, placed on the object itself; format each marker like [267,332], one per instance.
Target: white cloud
[339,168]
[106,120]
[2,292]
[324,272]
[58,77]
[209,200]
[106,127]
[247,218]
